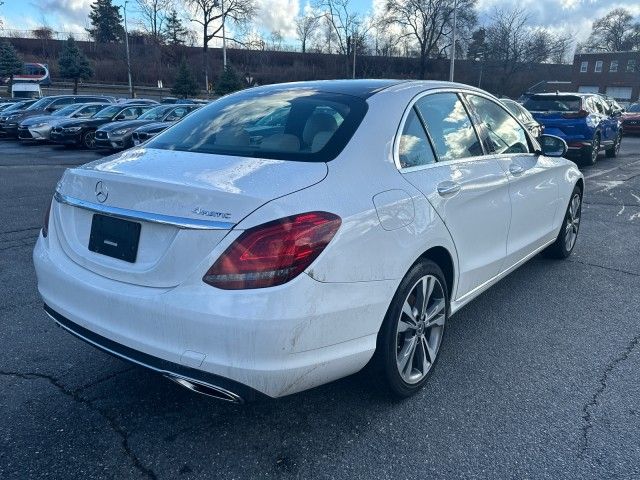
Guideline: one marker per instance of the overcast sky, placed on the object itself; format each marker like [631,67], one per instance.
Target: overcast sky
[574,16]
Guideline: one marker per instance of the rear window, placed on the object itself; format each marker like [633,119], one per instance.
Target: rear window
[291,124]
[557,103]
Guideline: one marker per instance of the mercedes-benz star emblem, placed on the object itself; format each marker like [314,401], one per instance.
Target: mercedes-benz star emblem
[102,192]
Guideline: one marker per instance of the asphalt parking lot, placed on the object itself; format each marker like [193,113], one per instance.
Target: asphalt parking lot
[538,377]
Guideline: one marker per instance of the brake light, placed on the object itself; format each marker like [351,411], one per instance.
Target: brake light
[578,114]
[45,225]
[273,253]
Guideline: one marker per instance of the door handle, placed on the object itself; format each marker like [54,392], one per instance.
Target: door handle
[516,169]
[448,188]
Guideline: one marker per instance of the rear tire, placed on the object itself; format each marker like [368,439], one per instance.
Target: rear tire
[568,235]
[615,148]
[412,332]
[590,154]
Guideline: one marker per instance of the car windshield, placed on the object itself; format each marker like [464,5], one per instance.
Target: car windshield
[64,111]
[156,113]
[108,112]
[556,103]
[301,124]
[634,108]
[41,104]
[14,107]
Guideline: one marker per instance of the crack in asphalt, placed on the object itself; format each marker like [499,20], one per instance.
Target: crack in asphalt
[604,267]
[586,409]
[18,245]
[20,230]
[75,396]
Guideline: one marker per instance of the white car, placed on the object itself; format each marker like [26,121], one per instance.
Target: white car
[244,257]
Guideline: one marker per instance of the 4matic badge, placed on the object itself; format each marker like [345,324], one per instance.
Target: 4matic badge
[211,213]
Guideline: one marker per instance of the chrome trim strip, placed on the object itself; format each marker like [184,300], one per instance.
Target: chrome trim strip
[170,375]
[180,222]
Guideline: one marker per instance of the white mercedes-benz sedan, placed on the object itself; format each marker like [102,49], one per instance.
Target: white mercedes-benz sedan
[289,235]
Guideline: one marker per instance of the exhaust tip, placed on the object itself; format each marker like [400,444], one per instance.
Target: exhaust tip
[213,391]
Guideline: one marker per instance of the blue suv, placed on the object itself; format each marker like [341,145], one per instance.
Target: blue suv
[585,121]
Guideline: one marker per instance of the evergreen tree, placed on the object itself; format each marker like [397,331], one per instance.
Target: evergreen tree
[106,22]
[10,63]
[185,84]
[229,81]
[174,31]
[74,64]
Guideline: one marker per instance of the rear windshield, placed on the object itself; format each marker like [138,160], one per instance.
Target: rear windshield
[634,107]
[288,124]
[556,103]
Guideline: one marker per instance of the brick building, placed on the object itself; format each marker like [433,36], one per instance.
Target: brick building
[616,74]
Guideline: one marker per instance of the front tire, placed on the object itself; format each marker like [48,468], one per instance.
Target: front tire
[590,154]
[89,139]
[615,148]
[566,240]
[412,332]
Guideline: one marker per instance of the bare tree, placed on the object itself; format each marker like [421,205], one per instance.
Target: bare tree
[343,22]
[306,26]
[211,16]
[430,23]
[511,42]
[615,32]
[153,14]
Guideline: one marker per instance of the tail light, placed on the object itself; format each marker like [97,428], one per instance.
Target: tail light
[45,225]
[578,114]
[273,253]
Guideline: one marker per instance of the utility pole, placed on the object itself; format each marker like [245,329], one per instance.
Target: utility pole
[126,41]
[453,42]
[224,37]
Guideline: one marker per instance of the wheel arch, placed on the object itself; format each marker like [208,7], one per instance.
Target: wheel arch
[443,258]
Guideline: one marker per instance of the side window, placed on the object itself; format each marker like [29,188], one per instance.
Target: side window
[414,148]
[501,133]
[449,126]
[128,114]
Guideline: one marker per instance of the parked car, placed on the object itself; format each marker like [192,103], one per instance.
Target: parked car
[525,117]
[119,135]
[146,132]
[46,106]
[39,128]
[81,132]
[13,111]
[584,121]
[631,119]
[242,267]
[137,101]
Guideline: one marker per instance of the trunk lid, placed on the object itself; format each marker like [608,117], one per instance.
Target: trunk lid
[185,202]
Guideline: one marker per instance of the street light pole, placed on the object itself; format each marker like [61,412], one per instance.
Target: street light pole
[453,42]
[224,37]
[126,39]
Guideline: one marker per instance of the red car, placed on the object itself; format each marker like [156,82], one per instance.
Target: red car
[631,119]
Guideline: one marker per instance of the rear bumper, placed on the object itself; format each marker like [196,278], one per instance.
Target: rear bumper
[276,341]
[237,392]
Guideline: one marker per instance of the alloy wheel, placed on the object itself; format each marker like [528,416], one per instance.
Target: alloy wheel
[572,223]
[90,139]
[420,328]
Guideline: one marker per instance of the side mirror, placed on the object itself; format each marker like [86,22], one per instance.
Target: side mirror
[120,117]
[51,109]
[553,146]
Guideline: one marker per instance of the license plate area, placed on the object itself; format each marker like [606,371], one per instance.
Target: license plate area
[114,237]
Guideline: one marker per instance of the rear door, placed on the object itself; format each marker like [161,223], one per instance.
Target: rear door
[439,152]
[532,186]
